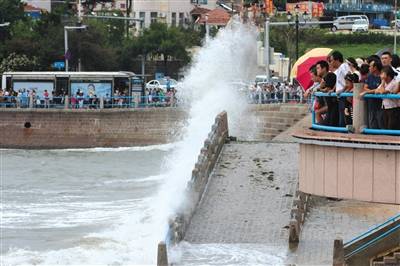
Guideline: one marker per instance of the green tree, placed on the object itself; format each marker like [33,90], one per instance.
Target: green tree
[18,62]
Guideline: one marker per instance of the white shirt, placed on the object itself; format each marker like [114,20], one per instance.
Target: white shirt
[340,73]
[391,103]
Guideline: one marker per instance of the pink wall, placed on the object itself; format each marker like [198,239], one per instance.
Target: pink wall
[350,173]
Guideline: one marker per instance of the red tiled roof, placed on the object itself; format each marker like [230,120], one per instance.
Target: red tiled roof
[199,10]
[217,16]
[29,8]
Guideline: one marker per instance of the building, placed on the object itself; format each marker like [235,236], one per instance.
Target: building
[172,12]
[370,8]
[40,4]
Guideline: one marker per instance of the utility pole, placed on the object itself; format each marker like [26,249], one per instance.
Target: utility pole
[395,27]
[79,11]
[297,36]
[66,29]
[266,46]
[128,12]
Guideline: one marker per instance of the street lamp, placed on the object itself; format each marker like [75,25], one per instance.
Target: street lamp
[206,24]
[66,29]
[305,16]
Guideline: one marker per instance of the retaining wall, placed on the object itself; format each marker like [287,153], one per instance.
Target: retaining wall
[370,173]
[203,168]
[88,128]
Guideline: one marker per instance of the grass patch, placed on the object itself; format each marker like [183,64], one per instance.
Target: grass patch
[354,50]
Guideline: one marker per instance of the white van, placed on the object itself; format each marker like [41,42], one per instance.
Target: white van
[347,22]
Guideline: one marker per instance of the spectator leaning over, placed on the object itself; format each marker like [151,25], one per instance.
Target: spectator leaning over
[354,69]
[364,71]
[341,70]
[375,115]
[391,107]
[350,79]
[328,85]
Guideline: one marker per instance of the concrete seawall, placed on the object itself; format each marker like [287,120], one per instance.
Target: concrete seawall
[42,129]
[204,166]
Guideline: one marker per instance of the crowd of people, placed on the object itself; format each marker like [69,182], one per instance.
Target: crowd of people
[378,74]
[25,98]
[264,92]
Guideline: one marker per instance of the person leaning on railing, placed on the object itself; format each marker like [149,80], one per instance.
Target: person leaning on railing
[350,79]
[328,85]
[375,116]
[391,107]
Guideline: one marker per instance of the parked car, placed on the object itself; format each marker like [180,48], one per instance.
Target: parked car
[161,83]
[360,25]
[346,22]
[380,23]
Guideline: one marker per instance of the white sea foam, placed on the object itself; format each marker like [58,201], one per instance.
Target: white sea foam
[133,237]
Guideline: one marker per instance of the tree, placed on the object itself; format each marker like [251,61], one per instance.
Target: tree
[11,10]
[18,62]
[168,42]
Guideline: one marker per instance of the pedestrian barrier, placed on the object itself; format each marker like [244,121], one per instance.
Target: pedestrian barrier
[369,239]
[350,128]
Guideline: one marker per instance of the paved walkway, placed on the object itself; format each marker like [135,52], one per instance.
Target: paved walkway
[244,214]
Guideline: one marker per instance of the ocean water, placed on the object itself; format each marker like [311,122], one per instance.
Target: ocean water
[112,206]
[78,206]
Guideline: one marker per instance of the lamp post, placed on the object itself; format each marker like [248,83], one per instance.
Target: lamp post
[297,22]
[66,29]
[395,28]
[207,29]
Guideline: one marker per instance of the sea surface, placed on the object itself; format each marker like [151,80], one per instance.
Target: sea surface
[77,206]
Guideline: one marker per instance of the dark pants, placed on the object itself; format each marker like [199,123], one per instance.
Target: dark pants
[332,117]
[375,114]
[342,105]
[391,118]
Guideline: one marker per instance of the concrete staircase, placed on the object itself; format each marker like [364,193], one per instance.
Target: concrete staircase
[266,121]
[380,244]
[392,259]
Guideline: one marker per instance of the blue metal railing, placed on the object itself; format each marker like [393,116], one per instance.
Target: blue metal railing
[375,228]
[345,129]
[329,128]
[374,240]
[77,102]
[360,8]
[381,131]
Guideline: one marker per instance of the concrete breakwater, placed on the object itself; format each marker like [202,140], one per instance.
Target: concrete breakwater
[202,170]
[42,129]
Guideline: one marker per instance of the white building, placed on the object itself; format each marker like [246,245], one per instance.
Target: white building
[42,4]
[173,12]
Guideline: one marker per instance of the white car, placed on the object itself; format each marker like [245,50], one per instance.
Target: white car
[161,84]
[347,22]
[360,25]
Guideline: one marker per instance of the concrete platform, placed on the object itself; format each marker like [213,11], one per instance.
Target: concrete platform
[243,216]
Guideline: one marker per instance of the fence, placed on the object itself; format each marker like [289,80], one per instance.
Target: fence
[86,102]
[360,115]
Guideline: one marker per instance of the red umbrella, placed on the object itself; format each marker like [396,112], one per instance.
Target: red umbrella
[303,71]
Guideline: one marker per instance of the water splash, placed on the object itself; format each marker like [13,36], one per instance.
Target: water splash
[230,56]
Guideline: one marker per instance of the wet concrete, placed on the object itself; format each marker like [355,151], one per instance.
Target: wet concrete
[244,215]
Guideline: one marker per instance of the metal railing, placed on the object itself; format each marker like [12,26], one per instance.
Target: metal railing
[317,126]
[87,102]
[368,8]
[374,240]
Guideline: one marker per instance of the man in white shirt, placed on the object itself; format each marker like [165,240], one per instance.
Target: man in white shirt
[341,69]
[386,59]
